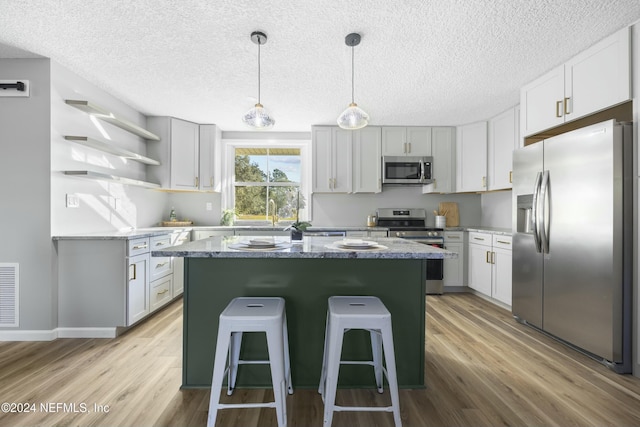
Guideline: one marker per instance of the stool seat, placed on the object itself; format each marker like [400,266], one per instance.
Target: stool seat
[247,314]
[358,312]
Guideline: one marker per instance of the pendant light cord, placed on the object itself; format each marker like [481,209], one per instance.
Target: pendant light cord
[259,43]
[352,74]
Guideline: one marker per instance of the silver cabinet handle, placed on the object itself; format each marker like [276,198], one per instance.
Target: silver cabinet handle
[482,239]
[504,242]
[132,276]
[143,246]
[162,264]
[558,109]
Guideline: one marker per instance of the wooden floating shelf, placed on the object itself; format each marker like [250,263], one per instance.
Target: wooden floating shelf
[112,178]
[111,149]
[109,117]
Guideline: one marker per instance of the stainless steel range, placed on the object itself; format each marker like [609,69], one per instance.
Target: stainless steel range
[410,223]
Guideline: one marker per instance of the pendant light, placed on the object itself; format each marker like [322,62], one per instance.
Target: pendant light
[258,117]
[353,117]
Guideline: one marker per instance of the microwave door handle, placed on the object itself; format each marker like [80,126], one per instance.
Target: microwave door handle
[422,172]
[535,213]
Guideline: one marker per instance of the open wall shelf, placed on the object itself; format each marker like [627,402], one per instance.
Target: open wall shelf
[109,117]
[111,178]
[111,149]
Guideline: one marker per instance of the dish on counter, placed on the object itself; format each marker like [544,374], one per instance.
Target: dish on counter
[356,244]
[262,243]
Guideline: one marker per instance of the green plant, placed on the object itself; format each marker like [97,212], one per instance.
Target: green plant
[228,217]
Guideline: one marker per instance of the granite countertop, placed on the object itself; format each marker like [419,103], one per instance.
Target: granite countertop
[311,247]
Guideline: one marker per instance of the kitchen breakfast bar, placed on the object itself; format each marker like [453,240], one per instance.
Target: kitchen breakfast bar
[305,274]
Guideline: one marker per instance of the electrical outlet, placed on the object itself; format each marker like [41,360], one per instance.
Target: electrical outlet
[73,201]
[209,206]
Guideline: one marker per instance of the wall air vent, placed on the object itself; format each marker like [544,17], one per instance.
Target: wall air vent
[8,294]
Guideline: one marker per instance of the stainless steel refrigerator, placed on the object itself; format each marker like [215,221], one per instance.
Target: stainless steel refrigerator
[572,241]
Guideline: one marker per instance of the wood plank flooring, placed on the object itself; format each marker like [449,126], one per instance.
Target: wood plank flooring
[482,369]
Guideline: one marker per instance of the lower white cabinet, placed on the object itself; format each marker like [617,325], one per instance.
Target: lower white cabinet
[490,265]
[205,234]
[366,233]
[106,284]
[453,268]
[177,263]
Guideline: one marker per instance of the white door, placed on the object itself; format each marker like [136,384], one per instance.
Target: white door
[542,102]
[452,274]
[501,276]
[502,140]
[342,160]
[322,159]
[185,140]
[471,165]
[367,160]
[137,288]
[418,141]
[480,268]
[393,141]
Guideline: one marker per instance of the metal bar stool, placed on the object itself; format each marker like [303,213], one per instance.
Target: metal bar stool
[252,315]
[358,312]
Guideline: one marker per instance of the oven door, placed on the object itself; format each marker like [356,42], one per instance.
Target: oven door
[435,267]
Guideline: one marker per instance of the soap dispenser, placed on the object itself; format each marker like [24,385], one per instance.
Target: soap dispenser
[172,215]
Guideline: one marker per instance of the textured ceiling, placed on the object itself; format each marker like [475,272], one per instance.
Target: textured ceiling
[420,62]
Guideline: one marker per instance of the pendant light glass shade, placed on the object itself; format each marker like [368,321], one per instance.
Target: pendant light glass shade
[257,117]
[353,117]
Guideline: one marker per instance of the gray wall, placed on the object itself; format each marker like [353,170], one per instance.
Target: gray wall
[496,209]
[25,157]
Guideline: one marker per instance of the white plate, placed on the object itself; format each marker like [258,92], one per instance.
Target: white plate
[261,243]
[356,243]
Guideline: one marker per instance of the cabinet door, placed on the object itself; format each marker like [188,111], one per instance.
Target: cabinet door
[480,268]
[444,160]
[342,155]
[209,162]
[418,141]
[453,268]
[501,275]
[322,160]
[502,140]
[541,102]
[137,288]
[393,141]
[599,77]
[161,292]
[185,137]
[367,160]
[471,165]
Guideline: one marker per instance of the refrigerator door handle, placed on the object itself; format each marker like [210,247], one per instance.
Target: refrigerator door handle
[534,213]
[545,212]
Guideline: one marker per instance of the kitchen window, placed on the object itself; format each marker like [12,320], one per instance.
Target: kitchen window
[267,183]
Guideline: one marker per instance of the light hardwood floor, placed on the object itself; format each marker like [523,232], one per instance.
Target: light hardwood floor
[482,369]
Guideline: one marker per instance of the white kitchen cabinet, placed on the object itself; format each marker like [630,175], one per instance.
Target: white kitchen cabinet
[178,238]
[205,234]
[503,138]
[490,265]
[480,262]
[332,159]
[444,160]
[406,141]
[501,269]
[367,160]
[471,157]
[160,292]
[453,274]
[187,153]
[365,233]
[593,80]
[159,266]
[137,289]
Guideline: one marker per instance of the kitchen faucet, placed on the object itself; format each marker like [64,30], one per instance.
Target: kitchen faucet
[273,209]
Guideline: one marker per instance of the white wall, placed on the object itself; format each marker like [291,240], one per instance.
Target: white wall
[352,209]
[496,209]
[24,172]
[104,206]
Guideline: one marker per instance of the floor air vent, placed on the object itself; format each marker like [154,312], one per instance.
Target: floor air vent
[8,294]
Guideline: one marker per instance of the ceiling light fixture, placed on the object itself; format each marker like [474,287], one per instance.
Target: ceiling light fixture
[353,117]
[258,117]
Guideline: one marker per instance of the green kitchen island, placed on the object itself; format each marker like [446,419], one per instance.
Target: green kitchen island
[305,274]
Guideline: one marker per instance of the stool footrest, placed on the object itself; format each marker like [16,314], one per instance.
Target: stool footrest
[246,405]
[363,408]
[357,362]
[253,362]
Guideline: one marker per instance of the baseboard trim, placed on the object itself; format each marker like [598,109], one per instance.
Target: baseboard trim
[58,333]
[28,335]
[87,332]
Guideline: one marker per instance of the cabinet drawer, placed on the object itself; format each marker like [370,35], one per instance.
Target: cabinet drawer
[161,292]
[500,241]
[160,242]
[453,236]
[159,267]
[180,238]
[377,234]
[138,246]
[479,238]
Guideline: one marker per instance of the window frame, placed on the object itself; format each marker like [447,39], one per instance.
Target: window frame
[228,181]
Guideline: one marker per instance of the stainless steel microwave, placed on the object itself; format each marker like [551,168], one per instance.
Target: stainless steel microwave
[407,170]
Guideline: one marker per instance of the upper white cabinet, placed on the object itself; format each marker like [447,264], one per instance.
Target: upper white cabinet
[443,150]
[503,139]
[187,153]
[471,157]
[406,141]
[595,79]
[367,164]
[332,164]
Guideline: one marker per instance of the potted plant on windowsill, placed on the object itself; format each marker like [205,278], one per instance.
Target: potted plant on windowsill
[298,227]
